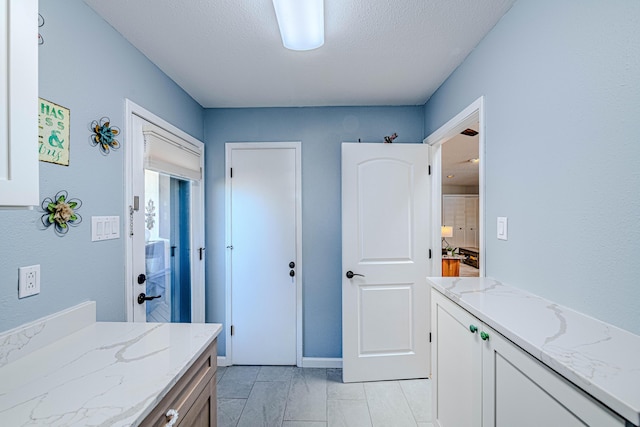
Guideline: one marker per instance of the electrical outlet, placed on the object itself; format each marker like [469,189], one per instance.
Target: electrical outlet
[29,281]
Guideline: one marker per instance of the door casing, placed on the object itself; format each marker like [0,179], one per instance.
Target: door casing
[471,114]
[297,146]
[133,110]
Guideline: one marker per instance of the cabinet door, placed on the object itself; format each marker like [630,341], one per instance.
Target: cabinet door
[471,222]
[203,413]
[457,365]
[19,103]
[520,391]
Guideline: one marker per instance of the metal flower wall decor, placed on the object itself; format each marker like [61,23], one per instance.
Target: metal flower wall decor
[61,212]
[104,135]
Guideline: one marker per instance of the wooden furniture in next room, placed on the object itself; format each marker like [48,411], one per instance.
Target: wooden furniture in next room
[472,256]
[451,265]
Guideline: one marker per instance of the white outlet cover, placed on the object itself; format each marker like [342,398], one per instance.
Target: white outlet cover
[28,281]
[502,227]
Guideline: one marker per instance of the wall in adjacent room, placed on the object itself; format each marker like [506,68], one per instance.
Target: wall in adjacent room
[562,96]
[321,131]
[86,66]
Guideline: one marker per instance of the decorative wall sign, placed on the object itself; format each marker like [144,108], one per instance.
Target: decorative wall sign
[104,135]
[61,212]
[53,137]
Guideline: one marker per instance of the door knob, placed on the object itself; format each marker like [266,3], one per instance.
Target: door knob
[292,264]
[141,279]
[292,273]
[142,298]
[350,274]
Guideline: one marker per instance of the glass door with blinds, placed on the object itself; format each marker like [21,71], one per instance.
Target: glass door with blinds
[167,230]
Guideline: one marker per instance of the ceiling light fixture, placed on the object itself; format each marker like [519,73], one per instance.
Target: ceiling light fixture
[450,176]
[476,160]
[301,23]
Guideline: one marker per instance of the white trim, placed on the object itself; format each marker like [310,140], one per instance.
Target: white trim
[322,362]
[222,361]
[453,127]
[197,238]
[297,146]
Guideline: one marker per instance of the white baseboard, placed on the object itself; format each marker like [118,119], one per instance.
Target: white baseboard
[307,362]
[322,362]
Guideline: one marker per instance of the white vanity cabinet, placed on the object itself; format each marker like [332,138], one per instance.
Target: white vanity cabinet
[19,103]
[482,379]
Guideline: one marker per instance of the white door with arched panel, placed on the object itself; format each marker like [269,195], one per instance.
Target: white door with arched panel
[385,261]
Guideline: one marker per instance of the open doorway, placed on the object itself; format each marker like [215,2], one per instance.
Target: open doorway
[457,150]
[460,196]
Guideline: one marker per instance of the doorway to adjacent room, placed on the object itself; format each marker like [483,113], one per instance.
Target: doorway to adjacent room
[458,193]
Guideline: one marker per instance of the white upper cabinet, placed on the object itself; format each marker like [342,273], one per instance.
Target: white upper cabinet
[19,103]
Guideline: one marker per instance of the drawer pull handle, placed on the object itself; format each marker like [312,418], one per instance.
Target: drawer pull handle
[484,336]
[473,329]
[172,417]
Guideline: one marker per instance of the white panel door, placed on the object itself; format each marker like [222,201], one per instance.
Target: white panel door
[385,235]
[263,240]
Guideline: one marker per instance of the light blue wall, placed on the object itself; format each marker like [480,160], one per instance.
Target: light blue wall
[86,66]
[321,131]
[561,81]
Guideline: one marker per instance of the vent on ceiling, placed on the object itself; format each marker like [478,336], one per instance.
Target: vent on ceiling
[469,132]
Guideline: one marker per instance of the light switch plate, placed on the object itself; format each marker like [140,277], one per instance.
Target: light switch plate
[105,228]
[502,227]
[28,281]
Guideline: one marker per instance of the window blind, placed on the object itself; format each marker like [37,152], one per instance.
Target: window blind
[167,153]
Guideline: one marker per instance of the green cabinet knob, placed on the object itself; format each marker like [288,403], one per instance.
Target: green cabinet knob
[484,336]
[473,328]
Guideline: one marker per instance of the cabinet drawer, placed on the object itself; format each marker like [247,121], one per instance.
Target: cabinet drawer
[187,390]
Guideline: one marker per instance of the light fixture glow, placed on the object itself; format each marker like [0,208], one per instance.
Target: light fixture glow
[301,23]
[475,160]
[450,176]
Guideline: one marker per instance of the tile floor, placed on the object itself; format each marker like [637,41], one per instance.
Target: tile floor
[285,396]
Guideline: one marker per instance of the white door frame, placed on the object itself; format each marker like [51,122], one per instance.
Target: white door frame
[453,127]
[197,219]
[297,146]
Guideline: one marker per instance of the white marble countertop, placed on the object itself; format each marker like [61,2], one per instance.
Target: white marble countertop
[105,374]
[599,358]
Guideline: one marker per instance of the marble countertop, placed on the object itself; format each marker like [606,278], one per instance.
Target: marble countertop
[599,358]
[107,374]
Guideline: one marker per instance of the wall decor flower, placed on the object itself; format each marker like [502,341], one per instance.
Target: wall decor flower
[104,135]
[61,212]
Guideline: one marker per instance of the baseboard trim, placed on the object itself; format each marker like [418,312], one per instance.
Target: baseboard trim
[307,362]
[322,362]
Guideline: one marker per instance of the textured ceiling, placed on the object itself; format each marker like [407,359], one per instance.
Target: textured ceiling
[456,154]
[228,53]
